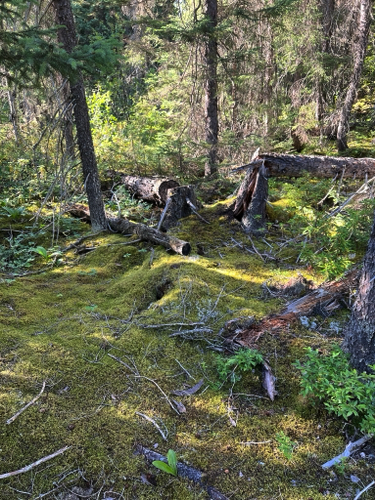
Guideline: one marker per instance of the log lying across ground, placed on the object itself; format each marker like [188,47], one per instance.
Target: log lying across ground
[183,471]
[124,226]
[152,189]
[283,165]
[321,301]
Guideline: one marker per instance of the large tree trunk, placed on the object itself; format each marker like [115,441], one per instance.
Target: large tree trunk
[283,165]
[364,19]
[360,330]
[67,37]
[210,58]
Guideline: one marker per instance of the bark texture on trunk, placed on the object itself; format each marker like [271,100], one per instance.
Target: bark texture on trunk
[360,330]
[154,190]
[359,52]
[284,165]
[67,37]
[211,114]
[250,206]
[179,207]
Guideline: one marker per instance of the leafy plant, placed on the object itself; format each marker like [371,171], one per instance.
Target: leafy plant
[341,466]
[242,361]
[171,467]
[13,212]
[344,391]
[286,445]
[47,256]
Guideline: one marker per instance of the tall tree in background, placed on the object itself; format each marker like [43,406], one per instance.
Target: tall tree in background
[363,8]
[360,331]
[67,37]
[210,87]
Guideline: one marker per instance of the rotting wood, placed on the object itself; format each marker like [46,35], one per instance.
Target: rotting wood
[27,468]
[152,189]
[183,471]
[250,205]
[321,301]
[145,233]
[284,165]
[180,200]
[349,450]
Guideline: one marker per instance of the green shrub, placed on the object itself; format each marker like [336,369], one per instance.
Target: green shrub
[242,361]
[344,391]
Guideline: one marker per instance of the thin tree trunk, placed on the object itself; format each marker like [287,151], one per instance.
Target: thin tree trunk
[360,330]
[211,115]
[364,18]
[13,112]
[67,37]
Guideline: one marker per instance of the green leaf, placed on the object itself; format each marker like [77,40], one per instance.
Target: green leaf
[164,467]
[172,460]
[41,251]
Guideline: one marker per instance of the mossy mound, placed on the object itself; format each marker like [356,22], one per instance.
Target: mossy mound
[113,337]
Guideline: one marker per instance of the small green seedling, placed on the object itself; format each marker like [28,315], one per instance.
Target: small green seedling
[171,467]
[342,465]
[286,445]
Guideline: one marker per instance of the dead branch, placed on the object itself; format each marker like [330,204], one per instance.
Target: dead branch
[12,419]
[183,471]
[154,423]
[364,490]
[35,464]
[350,448]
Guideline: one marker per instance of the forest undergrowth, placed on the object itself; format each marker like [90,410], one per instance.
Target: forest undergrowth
[113,334]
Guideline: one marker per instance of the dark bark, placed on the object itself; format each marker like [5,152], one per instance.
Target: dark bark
[364,19]
[154,190]
[67,37]
[250,207]
[183,471]
[322,301]
[283,165]
[150,234]
[179,207]
[360,330]
[210,60]
[123,226]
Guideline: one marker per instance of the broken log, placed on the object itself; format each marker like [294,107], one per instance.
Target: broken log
[152,189]
[284,165]
[250,205]
[178,205]
[145,233]
[321,301]
[183,471]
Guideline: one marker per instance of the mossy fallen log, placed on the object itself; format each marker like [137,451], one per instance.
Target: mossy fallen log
[145,233]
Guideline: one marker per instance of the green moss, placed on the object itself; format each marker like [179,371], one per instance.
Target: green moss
[60,327]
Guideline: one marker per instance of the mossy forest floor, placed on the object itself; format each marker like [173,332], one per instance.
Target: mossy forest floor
[62,326]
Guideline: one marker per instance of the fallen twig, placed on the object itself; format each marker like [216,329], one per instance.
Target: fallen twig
[189,392]
[364,489]
[350,448]
[34,464]
[12,419]
[154,423]
[194,209]
[194,330]
[248,443]
[183,471]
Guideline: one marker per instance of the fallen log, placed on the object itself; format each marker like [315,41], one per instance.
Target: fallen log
[145,233]
[183,471]
[152,189]
[284,165]
[321,301]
